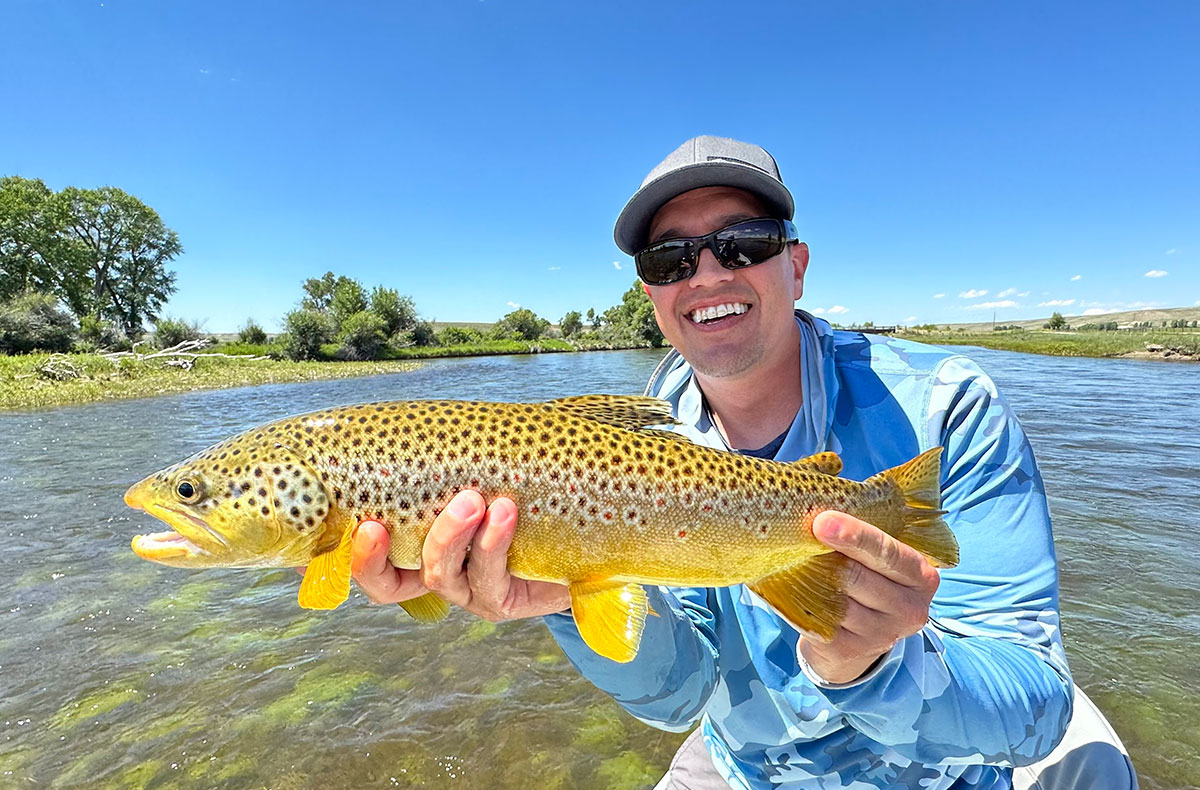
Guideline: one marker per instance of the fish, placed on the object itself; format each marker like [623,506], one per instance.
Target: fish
[609,498]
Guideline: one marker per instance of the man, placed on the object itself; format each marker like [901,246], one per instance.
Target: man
[932,681]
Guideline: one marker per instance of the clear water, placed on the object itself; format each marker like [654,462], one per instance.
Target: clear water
[116,673]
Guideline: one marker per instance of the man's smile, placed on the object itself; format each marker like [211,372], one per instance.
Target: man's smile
[712,313]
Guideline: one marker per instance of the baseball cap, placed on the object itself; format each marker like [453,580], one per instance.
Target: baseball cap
[704,161]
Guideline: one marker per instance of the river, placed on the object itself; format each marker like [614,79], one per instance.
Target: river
[116,673]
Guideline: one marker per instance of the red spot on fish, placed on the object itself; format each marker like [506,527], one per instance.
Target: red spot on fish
[385,472]
[534,510]
[682,533]
[660,502]
[707,508]
[333,461]
[608,515]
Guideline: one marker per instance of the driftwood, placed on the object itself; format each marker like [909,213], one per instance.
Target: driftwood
[183,355]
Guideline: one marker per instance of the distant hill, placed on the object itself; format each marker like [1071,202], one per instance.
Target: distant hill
[1156,317]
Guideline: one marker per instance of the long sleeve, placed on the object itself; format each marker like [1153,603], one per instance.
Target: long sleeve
[987,679]
[672,677]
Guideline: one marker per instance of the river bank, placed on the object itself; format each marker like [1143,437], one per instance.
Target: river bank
[34,381]
[1168,345]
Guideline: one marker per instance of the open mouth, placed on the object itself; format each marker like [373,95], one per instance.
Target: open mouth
[165,546]
[716,314]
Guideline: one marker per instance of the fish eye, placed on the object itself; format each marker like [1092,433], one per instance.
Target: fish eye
[187,490]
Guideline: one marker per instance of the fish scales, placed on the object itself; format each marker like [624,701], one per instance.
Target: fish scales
[603,502]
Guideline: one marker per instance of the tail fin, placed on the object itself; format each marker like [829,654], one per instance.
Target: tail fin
[919,482]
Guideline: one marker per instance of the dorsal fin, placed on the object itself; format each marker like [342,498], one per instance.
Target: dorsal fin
[826,463]
[631,412]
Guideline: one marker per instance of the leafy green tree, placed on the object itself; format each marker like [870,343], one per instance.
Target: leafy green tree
[34,322]
[29,243]
[593,319]
[349,298]
[306,330]
[522,324]
[1056,322]
[571,324]
[252,334]
[362,335]
[113,262]
[399,313]
[633,319]
[318,292]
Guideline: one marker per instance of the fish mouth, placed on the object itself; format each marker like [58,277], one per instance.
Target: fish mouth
[182,546]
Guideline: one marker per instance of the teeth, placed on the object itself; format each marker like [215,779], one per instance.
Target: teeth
[718,311]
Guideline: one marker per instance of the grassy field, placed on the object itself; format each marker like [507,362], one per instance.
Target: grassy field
[23,387]
[1184,343]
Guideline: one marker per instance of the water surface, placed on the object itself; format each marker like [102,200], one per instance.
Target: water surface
[117,673]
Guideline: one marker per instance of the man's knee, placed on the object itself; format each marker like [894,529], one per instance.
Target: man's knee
[1089,756]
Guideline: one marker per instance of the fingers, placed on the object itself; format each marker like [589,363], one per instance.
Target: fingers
[487,568]
[444,554]
[375,576]
[875,549]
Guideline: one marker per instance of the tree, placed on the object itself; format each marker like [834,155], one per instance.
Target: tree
[349,298]
[362,335]
[112,262]
[633,319]
[1056,322]
[571,324]
[319,292]
[398,313]
[306,330]
[593,319]
[523,324]
[252,334]
[28,238]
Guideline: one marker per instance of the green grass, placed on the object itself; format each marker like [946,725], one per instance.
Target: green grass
[100,379]
[1067,344]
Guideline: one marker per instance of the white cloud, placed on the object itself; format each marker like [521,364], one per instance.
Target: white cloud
[514,305]
[1023,293]
[837,309]
[1095,311]
[972,294]
[939,296]
[553,268]
[617,265]
[910,319]
[992,305]
[1077,278]
[1156,273]
[1057,303]
[1171,251]
[1006,292]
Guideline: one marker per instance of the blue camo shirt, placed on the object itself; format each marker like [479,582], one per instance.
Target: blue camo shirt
[983,687]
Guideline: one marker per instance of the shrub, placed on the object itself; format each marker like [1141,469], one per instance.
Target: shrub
[34,321]
[523,324]
[306,331]
[458,336]
[252,334]
[96,333]
[361,335]
[422,334]
[170,332]
[399,313]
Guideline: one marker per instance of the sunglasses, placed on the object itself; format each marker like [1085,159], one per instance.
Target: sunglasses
[736,246]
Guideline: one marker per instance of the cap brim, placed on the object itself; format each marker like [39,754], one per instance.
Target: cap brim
[633,224]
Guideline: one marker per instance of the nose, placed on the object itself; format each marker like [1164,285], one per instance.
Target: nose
[708,271]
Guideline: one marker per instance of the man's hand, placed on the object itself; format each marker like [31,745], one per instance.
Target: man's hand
[479,583]
[889,586]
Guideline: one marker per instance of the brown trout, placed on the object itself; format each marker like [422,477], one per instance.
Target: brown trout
[607,503]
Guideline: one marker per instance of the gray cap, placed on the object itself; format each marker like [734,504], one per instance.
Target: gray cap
[702,162]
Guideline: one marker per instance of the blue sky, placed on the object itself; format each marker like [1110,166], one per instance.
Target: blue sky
[949,160]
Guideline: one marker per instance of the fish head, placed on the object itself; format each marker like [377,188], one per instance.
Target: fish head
[241,503]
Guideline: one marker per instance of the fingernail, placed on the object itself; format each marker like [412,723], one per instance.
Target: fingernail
[462,507]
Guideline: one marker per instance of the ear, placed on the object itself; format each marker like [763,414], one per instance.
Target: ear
[799,258]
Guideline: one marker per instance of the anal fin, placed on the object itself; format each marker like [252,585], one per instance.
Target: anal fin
[810,596]
[610,617]
[327,580]
[427,608]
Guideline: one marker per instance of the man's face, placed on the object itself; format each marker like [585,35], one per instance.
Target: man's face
[760,330]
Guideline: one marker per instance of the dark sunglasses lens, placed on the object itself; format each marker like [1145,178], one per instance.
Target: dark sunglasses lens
[748,243]
[668,262]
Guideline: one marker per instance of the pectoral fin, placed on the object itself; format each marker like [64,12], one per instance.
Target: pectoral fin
[810,596]
[327,581]
[610,617]
[427,608]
